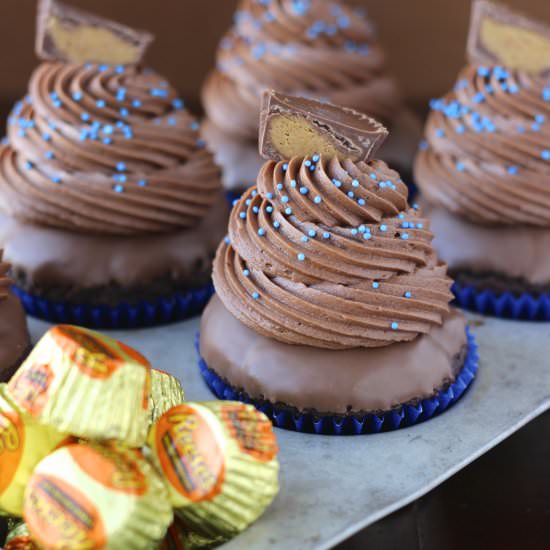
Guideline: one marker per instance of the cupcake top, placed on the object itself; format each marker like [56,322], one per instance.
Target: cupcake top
[318,48]
[105,149]
[487,151]
[328,253]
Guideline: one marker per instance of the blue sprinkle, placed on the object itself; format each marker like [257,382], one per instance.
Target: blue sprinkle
[460,129]
[22,133]
[255,209]
[77,96]
[288,211]
[118,188]
[460,166]
[315,158]
[261,232]
[405,236]
[29,165]
[121,167]
[56,179]
[50,155]
[120,177]
[483,71]
[520,129]
[307,163]
[423,145]
[355,183]
[269,196]
[513,170]
[373,176]
[478,98]
[279,186]
[100,103]
[301,257]
[408,294]
[394,326]
[293,183]
[546,94]
[119,69]
[276,225]
[136,103]
[317,200]
[367,236]
[255,296]
[201,143]
[440,133]
[312,233]
[107,141]
[246,273]
[285,167]
[419,226]
[178,104]
[242,215]
[376,285]
[305,239]
[545,155]
[351,194]
[85,116]
[158,92]
[195,126]
[383,227]
[354,231]
[142,183]
[326,235]
[124,112]
[361,202]
[108,129]
[338,183]
[284,199]
[540,118]
[269,209]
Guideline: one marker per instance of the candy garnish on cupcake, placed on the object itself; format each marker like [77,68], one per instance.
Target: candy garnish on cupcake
[72,35]
[501,36]
[297,126]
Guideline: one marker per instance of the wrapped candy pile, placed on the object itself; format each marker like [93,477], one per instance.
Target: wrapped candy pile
[99,450]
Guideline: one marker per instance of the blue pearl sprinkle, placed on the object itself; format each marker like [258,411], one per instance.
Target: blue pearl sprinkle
[101,103]
[375,285]
[255,296]
[513,170]
[56,179]
[405,236]
[315,158]
[304,190]
[301,257]
[288,211]
[394,326]
[246,273]
[261,232]
[242,215]
[312,233]
[355,183]
[121,167]
[367,236]
[326,235]
[383,227]
[408,294]
[293,183]
[279,186]
[284,199]
[269,196]
[545,155]
[317,200]
[276,225]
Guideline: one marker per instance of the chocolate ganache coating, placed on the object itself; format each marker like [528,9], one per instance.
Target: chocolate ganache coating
[328,253]
[487,154]
[317,48]
[106,150]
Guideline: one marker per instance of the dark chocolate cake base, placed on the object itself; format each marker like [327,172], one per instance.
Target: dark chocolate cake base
[351,391]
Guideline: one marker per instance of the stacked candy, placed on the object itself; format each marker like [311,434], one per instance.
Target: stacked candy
[98,450]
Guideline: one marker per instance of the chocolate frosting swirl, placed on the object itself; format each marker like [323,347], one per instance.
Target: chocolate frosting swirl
[105,149]
[329,254]
[317,48]
[487,154]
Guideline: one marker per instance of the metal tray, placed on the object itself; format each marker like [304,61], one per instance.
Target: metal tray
[332,487]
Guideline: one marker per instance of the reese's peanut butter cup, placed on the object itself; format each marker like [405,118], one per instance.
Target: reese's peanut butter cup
[220,462]
[89,496]
[87,384]
[19,538]
[23,444]
[166,392]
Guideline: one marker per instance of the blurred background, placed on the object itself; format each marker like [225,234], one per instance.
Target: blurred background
[425,39]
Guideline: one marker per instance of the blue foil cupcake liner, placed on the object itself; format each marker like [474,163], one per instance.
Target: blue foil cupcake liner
[142,314]
[402,417]
[505,305]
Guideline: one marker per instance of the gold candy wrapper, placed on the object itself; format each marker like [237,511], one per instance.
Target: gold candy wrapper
[19,538]
[23,444]
[87,496]
[166,392]
[179,537]
[87,384]
[220,461]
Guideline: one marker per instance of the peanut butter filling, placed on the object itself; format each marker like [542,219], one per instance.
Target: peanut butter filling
[91,43]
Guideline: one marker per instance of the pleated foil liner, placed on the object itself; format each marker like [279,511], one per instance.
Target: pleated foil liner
[145,313]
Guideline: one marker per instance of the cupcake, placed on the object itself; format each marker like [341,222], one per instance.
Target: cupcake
[14,335]
[111,203]
[316,48]
[484,169]
[332,311]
